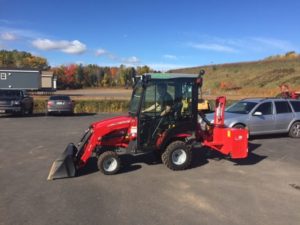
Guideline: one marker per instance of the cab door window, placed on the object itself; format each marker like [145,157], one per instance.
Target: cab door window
[265,108]
[155,101]
[150,106]
[282,107]
[186,93]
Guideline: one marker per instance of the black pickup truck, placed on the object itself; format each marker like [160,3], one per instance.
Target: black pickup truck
[14,101]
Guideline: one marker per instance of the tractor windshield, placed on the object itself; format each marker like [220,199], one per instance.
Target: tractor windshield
[135,100]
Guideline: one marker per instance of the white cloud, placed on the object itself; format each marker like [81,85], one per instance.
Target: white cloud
[70,47]
[165,67]
[243,45]
[131,60]
[169,56]
[21,33]
[214,47]
[274,43]
[101,52]
[8,36]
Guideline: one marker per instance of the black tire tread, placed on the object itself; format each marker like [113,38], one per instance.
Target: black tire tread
[167,155]
[104,156]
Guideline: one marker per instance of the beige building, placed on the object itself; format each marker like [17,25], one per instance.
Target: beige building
[48,80]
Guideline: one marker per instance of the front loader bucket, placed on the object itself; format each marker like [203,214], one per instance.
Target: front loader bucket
[64,166]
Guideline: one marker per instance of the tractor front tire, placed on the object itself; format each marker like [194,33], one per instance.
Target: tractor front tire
[177,156]
[109,163]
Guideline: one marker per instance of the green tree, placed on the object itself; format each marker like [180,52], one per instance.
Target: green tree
[21,59]
[106,80]
[142,70]
[80,75]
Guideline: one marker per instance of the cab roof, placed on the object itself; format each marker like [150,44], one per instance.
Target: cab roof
[164,76]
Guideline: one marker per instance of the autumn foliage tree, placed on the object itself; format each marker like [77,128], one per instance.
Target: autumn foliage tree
[20,60]
[70,72]
[74,75]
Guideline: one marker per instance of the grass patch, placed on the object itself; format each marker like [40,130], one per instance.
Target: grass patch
[254,79]
[89,106]
[98,106]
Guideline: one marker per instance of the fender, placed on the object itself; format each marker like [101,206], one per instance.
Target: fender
[163,139]
[110,132]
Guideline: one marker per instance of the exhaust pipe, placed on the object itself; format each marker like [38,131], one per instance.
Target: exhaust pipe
[64,166]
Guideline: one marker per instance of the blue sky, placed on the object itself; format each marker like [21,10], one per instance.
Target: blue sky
[162,34]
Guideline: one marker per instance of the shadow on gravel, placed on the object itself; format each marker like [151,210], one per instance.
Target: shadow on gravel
[72,115]
[252,158]
[129,161]
[44,115]
[23,116]
[89,168]
[201,156]
[268,136]
[128,164]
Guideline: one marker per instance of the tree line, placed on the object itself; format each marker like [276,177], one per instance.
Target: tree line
[74,75]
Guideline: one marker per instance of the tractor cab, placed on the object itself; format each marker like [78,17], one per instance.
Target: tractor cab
[165,106]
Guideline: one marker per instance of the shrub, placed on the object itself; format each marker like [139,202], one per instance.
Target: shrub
[89,106]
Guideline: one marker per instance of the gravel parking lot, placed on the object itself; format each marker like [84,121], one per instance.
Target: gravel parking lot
[263,189]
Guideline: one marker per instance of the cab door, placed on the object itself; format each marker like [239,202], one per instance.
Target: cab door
[284,116]
[262,119]
[150,122]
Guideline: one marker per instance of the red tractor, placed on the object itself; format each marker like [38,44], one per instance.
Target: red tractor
[163,121]
[286,93]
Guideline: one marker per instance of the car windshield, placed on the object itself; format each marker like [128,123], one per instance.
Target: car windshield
[9,93]
[61,97]
[241,107]
[135,100]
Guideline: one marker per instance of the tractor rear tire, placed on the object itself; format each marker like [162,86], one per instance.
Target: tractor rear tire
[177,156]
[109,163]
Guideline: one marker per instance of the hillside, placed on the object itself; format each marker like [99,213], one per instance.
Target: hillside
[260,78]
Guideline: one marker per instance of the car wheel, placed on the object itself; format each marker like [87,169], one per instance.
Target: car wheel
[22,112]
[26,112]
[31,110]
[109,163]
[239,126]
[295,130]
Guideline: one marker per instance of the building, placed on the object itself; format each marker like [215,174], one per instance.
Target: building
[33,80]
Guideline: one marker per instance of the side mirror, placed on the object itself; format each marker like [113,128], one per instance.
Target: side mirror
[257,113]
[201,73]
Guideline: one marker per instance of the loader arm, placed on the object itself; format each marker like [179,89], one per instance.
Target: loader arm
[116,132]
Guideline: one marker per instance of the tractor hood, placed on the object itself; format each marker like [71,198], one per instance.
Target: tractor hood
[113,123]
